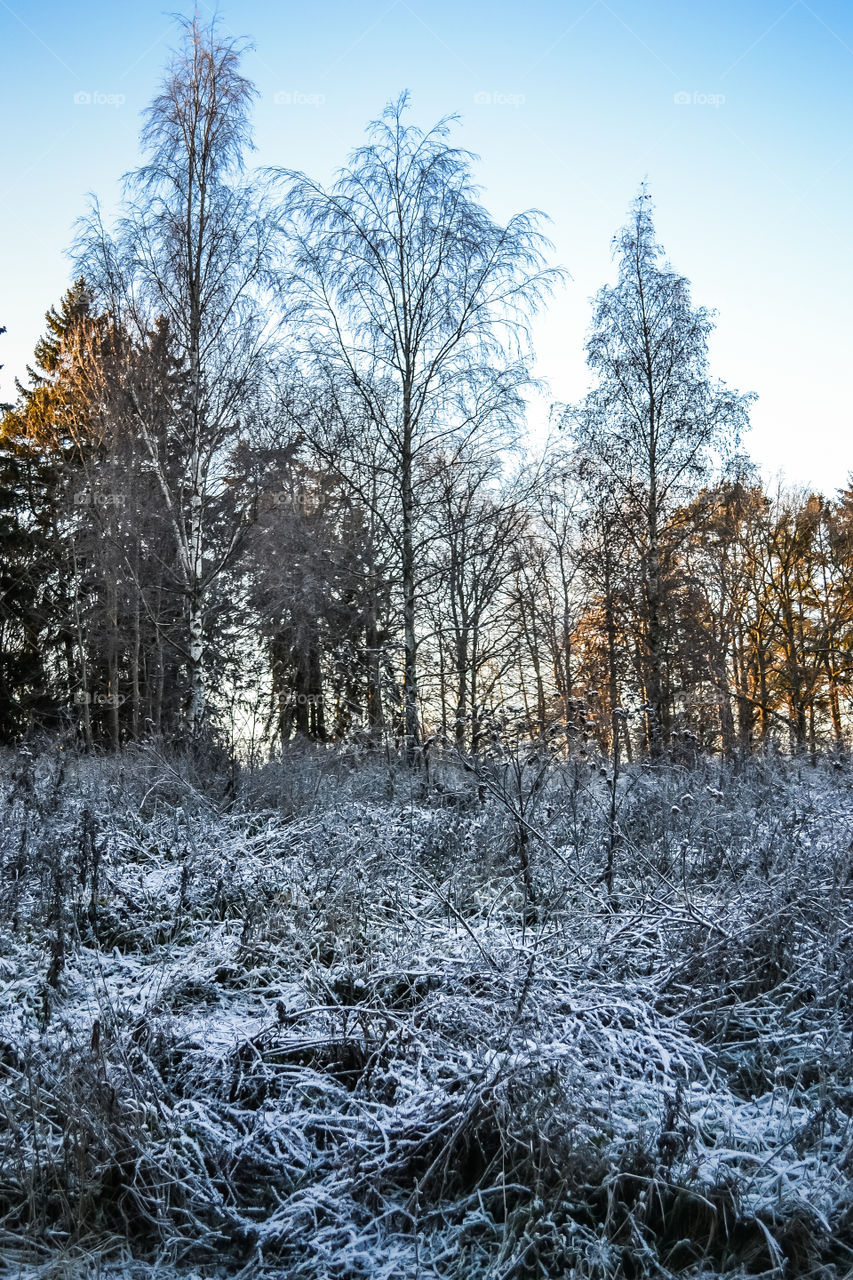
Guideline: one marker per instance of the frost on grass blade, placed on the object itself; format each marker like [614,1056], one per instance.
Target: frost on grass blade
[337,1044]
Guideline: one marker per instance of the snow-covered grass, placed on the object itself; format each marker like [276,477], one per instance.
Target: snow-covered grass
[336,1021]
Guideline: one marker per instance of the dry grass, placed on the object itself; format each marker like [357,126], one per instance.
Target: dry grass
[295,1031]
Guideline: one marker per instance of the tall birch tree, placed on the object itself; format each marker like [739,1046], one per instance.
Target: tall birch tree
[192,247]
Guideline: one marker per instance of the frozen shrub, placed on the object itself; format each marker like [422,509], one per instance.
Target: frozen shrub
[317,1031]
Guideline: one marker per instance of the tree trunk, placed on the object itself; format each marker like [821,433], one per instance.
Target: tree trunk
[834,702]
[656,728]
[410,646]
[196,670]
[375,718]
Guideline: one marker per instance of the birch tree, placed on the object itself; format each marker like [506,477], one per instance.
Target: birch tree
[192,246]
[415,300]
[653,422]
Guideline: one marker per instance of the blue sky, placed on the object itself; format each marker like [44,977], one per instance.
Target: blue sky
[739,115]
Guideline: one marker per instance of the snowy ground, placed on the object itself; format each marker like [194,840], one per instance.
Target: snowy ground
[324,1035]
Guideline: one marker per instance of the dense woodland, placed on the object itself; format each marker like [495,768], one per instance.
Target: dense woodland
[267,476]
[425,854]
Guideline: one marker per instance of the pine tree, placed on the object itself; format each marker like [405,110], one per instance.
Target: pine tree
[39,469]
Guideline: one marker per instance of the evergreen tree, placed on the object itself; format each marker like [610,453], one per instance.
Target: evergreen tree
[37,459]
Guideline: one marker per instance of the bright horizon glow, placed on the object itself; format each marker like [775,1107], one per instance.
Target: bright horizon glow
[570,105]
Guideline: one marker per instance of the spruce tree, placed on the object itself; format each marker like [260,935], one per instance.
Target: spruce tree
[38,458]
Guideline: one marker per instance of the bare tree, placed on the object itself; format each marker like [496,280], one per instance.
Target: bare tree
[650,427]
[416,302]
[192,246]
[478,523]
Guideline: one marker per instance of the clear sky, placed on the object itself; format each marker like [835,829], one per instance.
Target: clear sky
[738,113]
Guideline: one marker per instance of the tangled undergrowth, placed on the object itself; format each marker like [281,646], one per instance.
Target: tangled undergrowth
[313,1034]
